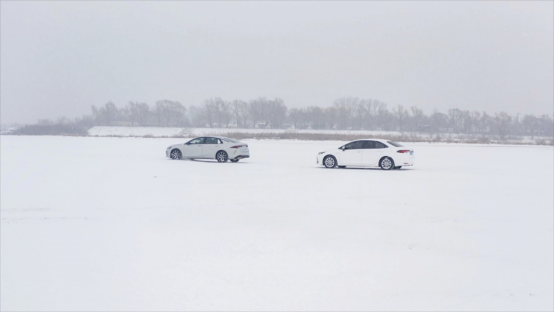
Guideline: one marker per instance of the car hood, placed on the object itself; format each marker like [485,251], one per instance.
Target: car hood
[330,151]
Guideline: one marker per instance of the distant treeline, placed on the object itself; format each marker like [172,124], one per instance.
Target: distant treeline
[348,113]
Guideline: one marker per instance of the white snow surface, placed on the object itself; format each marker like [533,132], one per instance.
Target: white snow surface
[110,224]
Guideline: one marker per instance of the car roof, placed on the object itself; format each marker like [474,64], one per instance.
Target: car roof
[375,139]
[219,137]
[211,137]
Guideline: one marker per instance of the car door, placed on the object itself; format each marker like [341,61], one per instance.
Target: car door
[369,153]
[210,147]
[193,149]
[352,154]
[372,152]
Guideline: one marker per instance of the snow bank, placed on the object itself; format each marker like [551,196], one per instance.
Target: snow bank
[162,132]
[106,131]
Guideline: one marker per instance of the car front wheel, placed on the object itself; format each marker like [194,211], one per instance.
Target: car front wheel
[387,163]
[221,156]
[175,154]
[329,161]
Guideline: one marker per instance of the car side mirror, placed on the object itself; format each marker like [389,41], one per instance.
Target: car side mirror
[342,148]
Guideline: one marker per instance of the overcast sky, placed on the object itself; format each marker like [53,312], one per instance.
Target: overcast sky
[59,58]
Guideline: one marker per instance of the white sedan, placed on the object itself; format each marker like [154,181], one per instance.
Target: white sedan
[368,153]
[219,148]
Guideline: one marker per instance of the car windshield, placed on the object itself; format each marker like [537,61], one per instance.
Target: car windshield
[230,140]
[393,143]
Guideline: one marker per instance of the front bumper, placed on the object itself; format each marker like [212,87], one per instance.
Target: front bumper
[320,157]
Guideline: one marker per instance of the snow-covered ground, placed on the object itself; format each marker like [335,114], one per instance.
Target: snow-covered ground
[96,224]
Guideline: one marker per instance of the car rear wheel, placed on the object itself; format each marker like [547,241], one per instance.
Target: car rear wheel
[175,154]
[221,156]
[387,163]
[329,161]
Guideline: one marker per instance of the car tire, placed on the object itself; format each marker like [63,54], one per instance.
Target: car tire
[329,161]
[175,154]
[221,156]
[235,161]
[386,163]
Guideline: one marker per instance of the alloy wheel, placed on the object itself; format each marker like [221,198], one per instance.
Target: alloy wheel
[221,156]
[175,154]
[386,164]
[329,162]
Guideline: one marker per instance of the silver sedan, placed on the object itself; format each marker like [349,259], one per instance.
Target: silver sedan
[218,148]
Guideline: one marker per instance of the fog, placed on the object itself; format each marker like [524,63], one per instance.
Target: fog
[60,58]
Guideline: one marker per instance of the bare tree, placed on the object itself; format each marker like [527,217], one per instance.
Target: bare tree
[417,116]
[143,112]
[239,113]
[277,112]
[133,112]
[400,114]
[502,122]
[345,108]
[105,115]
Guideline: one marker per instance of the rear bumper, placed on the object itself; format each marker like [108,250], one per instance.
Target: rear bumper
[238,154]
[404,160]
[239,157]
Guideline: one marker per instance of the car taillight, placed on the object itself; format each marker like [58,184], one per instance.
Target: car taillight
[403,151]
[239,146]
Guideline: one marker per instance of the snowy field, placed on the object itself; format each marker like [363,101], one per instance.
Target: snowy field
[96,224]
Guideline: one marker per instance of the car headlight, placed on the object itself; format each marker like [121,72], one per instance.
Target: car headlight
[321,153]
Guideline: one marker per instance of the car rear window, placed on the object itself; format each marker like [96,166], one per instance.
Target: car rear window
[393,143]
[230,140]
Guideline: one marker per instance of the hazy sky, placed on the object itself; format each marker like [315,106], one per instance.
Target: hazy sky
[59,58]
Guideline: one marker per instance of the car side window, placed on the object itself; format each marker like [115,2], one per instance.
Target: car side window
[368,144]
[197,141]
[211,141]
[354,145]
[379,145]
